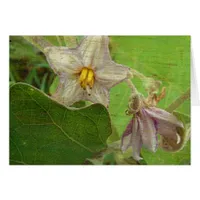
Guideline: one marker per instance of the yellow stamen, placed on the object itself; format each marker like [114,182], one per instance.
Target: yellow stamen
[83,84]
[91,83]
[86,77]
[90,75]
[84,73]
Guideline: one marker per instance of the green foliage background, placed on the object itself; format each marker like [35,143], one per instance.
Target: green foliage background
[165,58]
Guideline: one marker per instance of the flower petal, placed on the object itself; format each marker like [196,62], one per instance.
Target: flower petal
[136,141]
[163,116]
[94,51]
[99,94]
[69,92]
[147,131]
[175,144]
[167,130]
[62,59]
[127,135]
[59,90]
[111,74]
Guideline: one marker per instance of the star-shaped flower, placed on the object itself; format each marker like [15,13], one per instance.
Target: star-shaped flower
[144,127]
[86,72]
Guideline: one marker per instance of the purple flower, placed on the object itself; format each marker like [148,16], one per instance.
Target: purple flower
[144,127]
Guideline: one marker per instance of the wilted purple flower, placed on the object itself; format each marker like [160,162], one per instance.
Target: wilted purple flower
[144,127]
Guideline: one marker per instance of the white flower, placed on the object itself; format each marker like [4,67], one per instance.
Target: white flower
[86,72]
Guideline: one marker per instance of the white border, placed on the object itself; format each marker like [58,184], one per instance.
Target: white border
[102,17]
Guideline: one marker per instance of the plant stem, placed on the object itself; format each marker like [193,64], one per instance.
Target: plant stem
[178,101]
[138,74]
[131,86]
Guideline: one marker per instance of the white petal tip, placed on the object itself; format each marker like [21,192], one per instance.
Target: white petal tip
[178,138]
[154,149]
[182,126]
[137,158]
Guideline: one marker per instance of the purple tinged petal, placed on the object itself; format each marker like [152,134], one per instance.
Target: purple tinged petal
[163,116]
[167,122]
[167,130]
[126,137]
[147,131]
[136,141]
[155,124]
[131,137]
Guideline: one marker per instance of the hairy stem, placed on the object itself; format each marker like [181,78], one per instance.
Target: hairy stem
[151,85]
[178,101]
[138,74]
[38,41]
[131,86]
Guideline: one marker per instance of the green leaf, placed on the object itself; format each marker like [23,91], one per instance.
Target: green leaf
[43,131]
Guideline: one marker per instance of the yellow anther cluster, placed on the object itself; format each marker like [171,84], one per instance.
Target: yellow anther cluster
[86,77]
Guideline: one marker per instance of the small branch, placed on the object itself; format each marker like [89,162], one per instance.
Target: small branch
[38,41]
[138,74]
[131,86]
[151,85]
[178,101]
[135,99]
